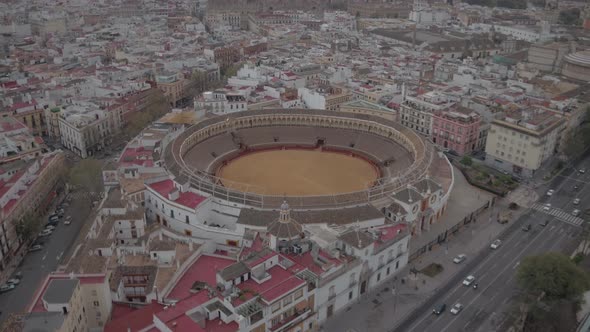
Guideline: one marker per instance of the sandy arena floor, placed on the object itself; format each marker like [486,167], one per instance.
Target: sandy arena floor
[299,172]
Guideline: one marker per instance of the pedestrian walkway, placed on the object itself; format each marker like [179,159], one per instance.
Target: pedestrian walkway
[559,214]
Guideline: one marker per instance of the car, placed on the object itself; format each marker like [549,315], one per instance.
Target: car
[68,218]
[50,227]
[6,288]
[576,213]
[544,223]
[67,222]
[469,280]
[439,309]
[550,192]
[547,207]
[13,281]
[54,218]
[576,187]
[496,244]
[526,228]
[45,232]
[456,308]
[582,170]
[576,201]
[38,242]
[460,258]
[35,247]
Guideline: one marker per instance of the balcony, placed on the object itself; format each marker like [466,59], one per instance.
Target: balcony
[289,322]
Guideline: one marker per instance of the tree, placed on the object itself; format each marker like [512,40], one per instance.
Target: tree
[87,175]
[467,161]
[27,227]
[553,276]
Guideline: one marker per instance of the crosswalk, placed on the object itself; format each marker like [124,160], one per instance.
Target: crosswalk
[559,214]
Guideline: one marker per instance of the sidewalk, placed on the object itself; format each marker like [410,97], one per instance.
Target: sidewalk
[381,310]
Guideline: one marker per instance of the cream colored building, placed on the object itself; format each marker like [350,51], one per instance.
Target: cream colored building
[365,107]
[521,141]
[70,303]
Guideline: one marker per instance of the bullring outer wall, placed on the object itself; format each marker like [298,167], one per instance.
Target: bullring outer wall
[421,150]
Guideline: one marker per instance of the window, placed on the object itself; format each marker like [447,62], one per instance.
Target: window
[275,307]
[287,300]
[388,270]
[186,219]
[350,295]
[332,292]
[378,276]
[96,304]
[396,265]
[298,294]
[171,213]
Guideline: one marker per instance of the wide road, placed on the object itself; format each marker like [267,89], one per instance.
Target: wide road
[36,265]
[487,308]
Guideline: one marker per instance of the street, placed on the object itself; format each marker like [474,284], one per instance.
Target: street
[36,265]
[488,307]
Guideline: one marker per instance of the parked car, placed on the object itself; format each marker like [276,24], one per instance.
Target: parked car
[6,288]
[496,244]
[526,228]
[54,218]
[576,187]
[576,213]
[469,280]
[547,207]
[576,201]
[13,281]
[460,258]
[582,170]
[456,308]
[67,222]
[550,192]
[35,247]
[439,309]
[544,222]
[45,232]
[50,227]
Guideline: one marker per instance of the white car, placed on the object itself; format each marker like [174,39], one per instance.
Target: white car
[496,244]
[576,201]
[50,227]
[45,232]
[550,192]
[456,308]
[547,207]
[13,281]
[582,170]
[576,213]
[459,258]
[469,280]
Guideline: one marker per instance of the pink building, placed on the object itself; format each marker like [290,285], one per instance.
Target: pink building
[456,129]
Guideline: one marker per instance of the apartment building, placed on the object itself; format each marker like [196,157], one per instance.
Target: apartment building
[520,142]
[85,128]
[172,84]
[25,187]
[221,102]
[416,112]
[16,142]
[69,303]
[456,129]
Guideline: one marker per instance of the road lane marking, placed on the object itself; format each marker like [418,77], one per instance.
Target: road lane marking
[44,256]
[500,252]
[494,280]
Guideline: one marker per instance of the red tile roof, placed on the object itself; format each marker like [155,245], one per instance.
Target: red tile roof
[280,283]
[136,320]
[203,269]
[188,199]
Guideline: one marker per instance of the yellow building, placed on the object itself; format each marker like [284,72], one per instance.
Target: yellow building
[521,141]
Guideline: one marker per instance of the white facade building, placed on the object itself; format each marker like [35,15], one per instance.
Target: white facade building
[86,128]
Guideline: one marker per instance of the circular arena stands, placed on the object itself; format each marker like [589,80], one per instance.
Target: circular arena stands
[195,155]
